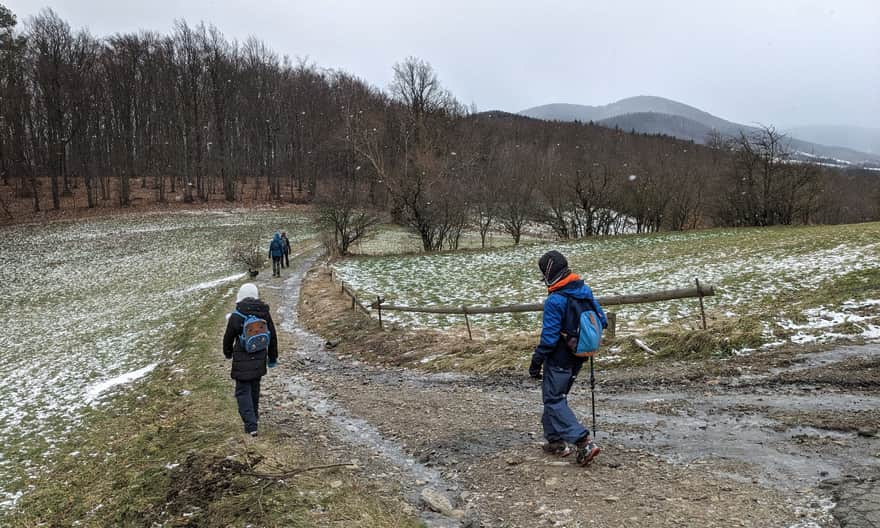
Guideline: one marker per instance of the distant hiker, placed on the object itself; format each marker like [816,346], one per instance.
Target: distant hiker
[249,347]
[276,251]
[567,298]
[286,241]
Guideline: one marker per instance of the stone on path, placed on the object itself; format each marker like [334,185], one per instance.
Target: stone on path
[437,501]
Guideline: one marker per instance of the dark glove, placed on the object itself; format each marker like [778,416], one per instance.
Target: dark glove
[272,363]
[535,369]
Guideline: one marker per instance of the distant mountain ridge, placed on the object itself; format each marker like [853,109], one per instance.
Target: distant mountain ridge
[657,123]
[858,138]
[658,115]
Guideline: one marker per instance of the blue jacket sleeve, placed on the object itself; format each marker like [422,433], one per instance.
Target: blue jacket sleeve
[554,311]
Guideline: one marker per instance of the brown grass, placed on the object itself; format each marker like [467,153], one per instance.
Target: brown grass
[17,210]
[327,311]
[155,457]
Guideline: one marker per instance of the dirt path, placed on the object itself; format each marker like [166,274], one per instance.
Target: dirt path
[780,447]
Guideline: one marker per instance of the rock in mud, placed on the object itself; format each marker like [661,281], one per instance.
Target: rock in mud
[437,501]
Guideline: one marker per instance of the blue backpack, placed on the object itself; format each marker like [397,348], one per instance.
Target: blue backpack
[583,341]
[276,247]
[255,334]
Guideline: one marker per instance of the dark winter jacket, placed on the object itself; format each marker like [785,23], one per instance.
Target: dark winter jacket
[276,247]
[552,349]
[285,244]
[245,366]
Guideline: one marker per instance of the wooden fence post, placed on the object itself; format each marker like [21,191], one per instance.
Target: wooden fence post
[467,322]
[702,308]
[379,307]
[612,324]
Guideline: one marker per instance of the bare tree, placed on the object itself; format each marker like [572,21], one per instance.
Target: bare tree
[345,219]
[248,254]
[769,188]
[195,114]
[516,206]
[52,42]
[221,63]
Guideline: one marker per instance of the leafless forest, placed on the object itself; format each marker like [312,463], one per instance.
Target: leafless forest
[195,117]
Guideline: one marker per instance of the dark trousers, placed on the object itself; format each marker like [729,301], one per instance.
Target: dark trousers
[276,265]
[247,393]
[286,262]
[559,420]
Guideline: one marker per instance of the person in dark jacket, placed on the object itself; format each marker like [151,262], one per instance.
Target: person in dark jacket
[276,251]
[285,263]
[560,366]
[249,368]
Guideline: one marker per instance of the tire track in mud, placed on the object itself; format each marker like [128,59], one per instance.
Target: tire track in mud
[385,455]
[475,438]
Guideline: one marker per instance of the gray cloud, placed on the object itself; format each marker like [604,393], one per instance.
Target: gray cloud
[786,62]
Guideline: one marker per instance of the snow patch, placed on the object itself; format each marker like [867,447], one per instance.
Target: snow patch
[95,390]
[212,283]
[10,499]
[821,320]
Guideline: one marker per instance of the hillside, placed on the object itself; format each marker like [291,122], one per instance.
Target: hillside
[656,123]
[658,115]
[859,138]
[631,105]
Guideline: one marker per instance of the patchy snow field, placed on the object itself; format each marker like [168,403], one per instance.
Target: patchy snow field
[88,308]
[799,282]
[392,240]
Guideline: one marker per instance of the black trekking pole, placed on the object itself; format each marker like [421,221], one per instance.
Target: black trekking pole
[593,395]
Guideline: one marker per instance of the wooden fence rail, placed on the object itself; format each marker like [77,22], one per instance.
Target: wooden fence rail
[612,300]
[700,291]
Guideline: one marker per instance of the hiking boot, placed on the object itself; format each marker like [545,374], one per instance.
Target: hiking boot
[558,448]
[253,433]
[587,450]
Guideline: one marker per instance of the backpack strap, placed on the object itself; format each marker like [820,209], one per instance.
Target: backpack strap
[243,320]
[562,330]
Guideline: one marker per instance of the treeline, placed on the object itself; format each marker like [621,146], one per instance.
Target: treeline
[196,117]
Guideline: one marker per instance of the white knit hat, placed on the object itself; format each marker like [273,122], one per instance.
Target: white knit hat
[247,290]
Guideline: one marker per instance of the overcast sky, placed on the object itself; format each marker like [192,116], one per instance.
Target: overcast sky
[782,62]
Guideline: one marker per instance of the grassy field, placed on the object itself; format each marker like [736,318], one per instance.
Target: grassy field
[170,452]
[396,240]
[773,285]
[96,303]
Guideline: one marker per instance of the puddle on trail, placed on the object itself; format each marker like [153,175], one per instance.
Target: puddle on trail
[814,360]
[351,429]
[733,424]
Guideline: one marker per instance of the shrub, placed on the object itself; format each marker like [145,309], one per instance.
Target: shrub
[247,254]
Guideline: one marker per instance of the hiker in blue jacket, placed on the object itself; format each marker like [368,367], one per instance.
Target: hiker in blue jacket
[560,366]
[276,251]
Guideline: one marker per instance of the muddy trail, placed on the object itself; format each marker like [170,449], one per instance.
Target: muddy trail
[788,446]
